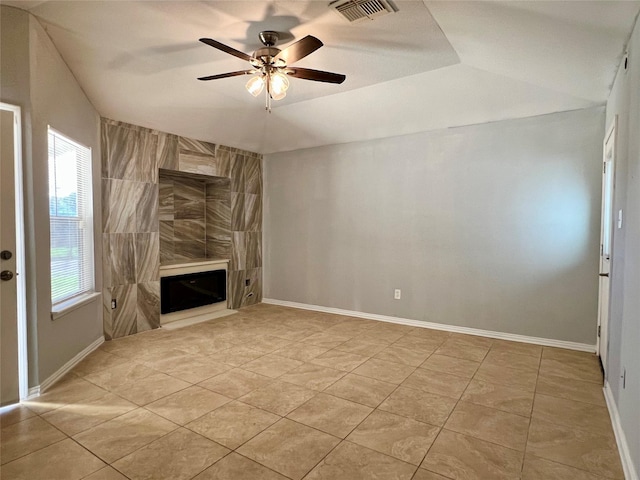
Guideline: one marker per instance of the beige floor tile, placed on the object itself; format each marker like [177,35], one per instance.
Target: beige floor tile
[587,371]
[509,377]
[421,406]
[106,473]
[461,349]
[122,435]
[375,334]
[25,437]
[113,377]
[425,343]
[78,417]
[475,340]
[186,405]
[151,388]
[301,351]
[236,356]
[540,469]
[15,414]
[267,344]
[65,460]
[455,366]
[489,424]
[436,382]
[327,340]
[573,414]
[278,397]
[289,448]
[399,437]
[340,360]
[517,347]
[597,454]
[272,365]
[566,355]
[330,414]
[430,333]
[578,390]
[98,360]
[360,347]
[70,389]
[354,462]
[233,424]
[179,455]
[195,369]
[423,474]
[508,399]
[237,467]
[461,457]
[406,355]
[313,377]
[501,358]
[390,372]
[364,390]
[235,383]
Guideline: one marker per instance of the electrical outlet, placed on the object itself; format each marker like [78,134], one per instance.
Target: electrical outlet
[397,293]
[114,304]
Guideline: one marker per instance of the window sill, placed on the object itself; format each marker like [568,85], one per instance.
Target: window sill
[63,308]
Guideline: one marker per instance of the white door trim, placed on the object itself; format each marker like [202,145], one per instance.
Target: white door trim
[23,372]
[604,266]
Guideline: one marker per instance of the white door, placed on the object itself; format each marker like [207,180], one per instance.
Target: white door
[606,232]
[13,323]
[9,372]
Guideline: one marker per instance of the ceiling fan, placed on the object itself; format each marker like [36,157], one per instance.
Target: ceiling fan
[271,66]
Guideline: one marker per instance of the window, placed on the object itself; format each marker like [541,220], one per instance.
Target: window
[71,218]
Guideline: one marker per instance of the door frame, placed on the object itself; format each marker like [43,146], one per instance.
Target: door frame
[603,330]
[21,288]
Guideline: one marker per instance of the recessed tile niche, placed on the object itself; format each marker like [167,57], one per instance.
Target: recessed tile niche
[167,198]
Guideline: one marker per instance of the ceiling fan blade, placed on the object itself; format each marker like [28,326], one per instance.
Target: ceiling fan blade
[315,75]
[226,49]
[299,49]
[226,75]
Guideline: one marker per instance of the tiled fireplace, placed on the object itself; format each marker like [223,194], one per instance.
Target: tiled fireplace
[167,198]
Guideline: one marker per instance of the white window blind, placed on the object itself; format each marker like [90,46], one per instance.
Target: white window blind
[71,218]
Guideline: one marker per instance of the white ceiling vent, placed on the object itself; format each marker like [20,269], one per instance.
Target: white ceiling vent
[359,10]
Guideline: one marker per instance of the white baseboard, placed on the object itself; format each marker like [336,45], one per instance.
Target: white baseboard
[62,371]
[33,392]
[547,342]
[621,439]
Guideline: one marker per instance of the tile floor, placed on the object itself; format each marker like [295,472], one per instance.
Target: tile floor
[275,393]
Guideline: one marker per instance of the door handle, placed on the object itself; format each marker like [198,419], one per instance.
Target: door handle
[603,274]
[6,275]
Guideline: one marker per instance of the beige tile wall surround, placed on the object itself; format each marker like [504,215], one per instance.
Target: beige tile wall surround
[217,213]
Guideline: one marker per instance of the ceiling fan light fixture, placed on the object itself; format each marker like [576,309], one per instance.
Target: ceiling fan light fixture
[255,85]
[278,85]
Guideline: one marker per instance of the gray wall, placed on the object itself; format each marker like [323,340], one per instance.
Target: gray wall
[624,326]
[35,77]
[493,226]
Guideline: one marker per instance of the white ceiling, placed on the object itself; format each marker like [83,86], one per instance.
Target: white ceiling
[430,65]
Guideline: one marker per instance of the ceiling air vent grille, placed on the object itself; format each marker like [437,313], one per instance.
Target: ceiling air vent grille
[359,10]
